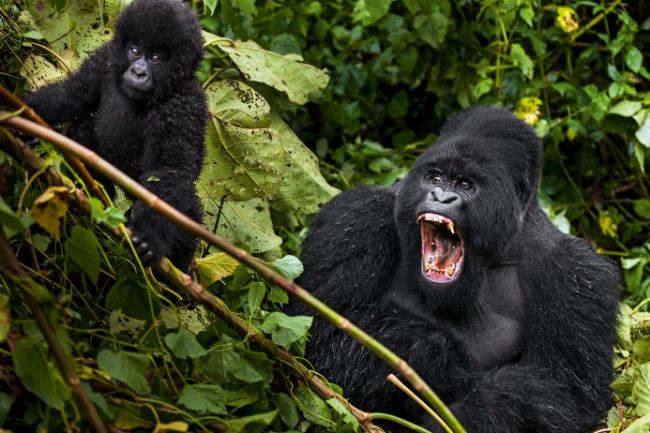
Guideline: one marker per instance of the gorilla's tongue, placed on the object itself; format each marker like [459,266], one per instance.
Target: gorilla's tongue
[442,248]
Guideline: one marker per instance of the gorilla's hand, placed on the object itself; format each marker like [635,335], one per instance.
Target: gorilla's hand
[145,250]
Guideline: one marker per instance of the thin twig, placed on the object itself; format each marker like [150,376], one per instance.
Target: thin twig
[160,206]
[398,383]
[11,268]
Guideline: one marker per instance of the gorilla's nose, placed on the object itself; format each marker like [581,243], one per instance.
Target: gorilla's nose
[443,196]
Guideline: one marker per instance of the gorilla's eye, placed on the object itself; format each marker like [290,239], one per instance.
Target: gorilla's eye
[463,184]
[436,178]
[135,51]
[155,59]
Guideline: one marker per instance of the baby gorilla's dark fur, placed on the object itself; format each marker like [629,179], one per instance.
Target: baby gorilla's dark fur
[516,334]
[138,104]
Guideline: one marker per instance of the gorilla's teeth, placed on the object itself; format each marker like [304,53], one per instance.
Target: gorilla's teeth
[451,269]
[450,226]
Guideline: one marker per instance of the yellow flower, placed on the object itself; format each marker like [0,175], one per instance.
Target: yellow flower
[528,109]
[607,225]
[567,19]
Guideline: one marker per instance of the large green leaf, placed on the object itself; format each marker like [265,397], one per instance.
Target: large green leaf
[245,223]
[302,188]
[39,374]
[204,398]
[251,424]
[641,391]
[301,82]
[183,344]
[131,295]
[83,249]
[244,158]
[128,367]
[74,31]
[286,330]
[369,11]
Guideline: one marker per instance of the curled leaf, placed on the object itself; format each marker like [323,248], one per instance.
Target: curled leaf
[50,207]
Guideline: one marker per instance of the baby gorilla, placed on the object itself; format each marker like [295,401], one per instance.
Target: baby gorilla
[137,103]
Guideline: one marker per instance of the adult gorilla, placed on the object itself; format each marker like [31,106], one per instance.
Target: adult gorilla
[137,102]
[459,271]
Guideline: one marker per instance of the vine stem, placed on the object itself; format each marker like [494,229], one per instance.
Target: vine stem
[11,268]
[139,192]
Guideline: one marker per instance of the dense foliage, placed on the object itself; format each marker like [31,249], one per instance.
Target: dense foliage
[575,70]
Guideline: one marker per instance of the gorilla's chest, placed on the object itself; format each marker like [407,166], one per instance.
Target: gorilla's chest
[119,130]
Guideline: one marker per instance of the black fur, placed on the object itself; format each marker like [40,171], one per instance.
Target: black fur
[521,342]
[156,137]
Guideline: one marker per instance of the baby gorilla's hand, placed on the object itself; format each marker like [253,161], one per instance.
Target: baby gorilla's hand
[144,250]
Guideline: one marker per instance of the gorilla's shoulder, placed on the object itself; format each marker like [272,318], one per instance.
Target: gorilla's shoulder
[355,225]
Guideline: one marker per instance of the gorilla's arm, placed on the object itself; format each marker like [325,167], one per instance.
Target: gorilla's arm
[76,96]
[173,153]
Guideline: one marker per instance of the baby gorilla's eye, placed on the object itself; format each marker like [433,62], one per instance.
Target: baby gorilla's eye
[155,59]
[135,51]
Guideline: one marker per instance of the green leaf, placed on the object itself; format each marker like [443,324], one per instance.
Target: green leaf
[368,12]
[131,295]
[286,330]
[256,292]
[288,410]
[643,133]
[626,108]
[83,249]
[302,187]
[9,219]
[641,425]
[344,412]
[314,408]
[110,215]
[244,158]
[39,374]
[289,266]
[245,223]
[642,207]
[300,82]
[6,401]
[482,87]
[183,344]
[431,28]
[246,6]
[215,267]
[128,367]
[251,424]
[240,363]
[641,391]
[634,59]
[519,58]
[398,105]
[204,399]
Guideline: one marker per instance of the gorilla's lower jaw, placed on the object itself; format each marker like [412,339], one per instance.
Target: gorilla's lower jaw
[442,247]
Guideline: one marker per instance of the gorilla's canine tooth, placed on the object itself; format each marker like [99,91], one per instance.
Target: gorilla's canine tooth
[450,225]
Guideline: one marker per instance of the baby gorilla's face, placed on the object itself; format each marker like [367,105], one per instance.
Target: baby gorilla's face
[143,71]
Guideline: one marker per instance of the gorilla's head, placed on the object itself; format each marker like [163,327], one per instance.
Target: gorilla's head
[461,207]
[157,44]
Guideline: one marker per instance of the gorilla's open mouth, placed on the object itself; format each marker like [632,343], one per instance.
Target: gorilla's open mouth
[442,247]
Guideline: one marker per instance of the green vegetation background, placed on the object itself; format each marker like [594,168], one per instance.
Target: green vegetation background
[574,70]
